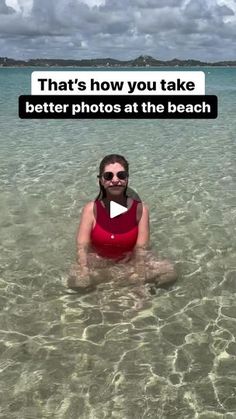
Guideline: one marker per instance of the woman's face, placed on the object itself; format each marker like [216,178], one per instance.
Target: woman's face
[114,179]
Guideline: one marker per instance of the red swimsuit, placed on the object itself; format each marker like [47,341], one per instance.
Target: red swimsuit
[114,237]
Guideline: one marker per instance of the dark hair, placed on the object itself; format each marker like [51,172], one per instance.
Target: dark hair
[110,159]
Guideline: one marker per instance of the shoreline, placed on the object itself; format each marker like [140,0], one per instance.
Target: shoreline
[117,67]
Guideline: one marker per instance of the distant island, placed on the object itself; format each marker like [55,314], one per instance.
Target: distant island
[142,61]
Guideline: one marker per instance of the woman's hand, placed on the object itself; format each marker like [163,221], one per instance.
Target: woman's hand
[140,262]
[79,277]
[136,279]
[126,258]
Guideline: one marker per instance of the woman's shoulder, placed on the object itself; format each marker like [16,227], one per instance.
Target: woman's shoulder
[142,210]
[88,208]
[140,204]
[144,207]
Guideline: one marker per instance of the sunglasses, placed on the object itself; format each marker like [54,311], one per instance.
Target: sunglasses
[122,175]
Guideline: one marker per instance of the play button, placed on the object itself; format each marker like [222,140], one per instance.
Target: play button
[116,209]
[109,220]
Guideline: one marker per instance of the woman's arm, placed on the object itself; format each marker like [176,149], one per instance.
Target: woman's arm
[143,228]
[142,243]
[79,277]
[83,236]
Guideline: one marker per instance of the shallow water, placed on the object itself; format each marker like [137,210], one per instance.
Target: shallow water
[97,356]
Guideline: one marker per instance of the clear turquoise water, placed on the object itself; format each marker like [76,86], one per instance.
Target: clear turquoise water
[94,356]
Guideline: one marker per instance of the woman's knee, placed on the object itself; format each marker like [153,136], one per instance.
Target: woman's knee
[161,272]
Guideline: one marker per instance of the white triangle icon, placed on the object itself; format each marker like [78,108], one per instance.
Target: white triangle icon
[116,209]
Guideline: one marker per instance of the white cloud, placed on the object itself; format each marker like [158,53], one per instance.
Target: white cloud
[14,4]
[92,3]
[165,29]
[23,6]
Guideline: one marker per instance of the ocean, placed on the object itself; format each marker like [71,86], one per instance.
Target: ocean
[67,356]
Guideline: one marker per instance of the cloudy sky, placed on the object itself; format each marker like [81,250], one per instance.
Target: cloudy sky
[123,29]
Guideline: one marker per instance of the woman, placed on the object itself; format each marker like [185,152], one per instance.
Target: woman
[122,241]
